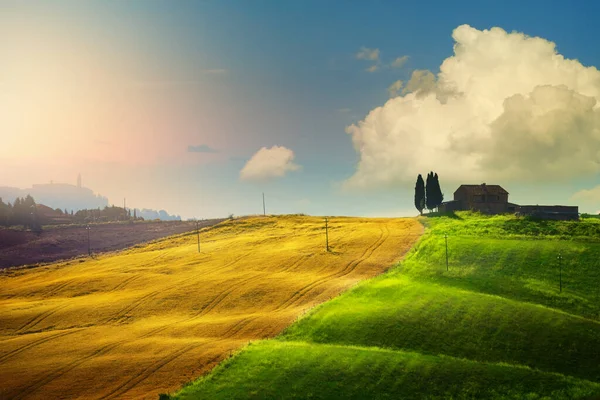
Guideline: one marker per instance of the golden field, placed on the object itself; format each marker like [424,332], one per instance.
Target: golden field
[144,321]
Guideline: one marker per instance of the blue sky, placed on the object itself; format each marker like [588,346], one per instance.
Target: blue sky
[243,75]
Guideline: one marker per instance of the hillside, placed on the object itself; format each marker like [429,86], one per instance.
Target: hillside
[20,247]
[495,325]
[147,319]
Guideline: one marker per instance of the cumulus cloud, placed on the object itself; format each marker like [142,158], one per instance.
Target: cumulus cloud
[203,148]
[399,62]
[504,107]
[368,54]
[269,163]
[394,88]
[587,196]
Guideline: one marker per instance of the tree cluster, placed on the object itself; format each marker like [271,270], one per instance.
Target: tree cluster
[23,212]
[428,194]
[108,214]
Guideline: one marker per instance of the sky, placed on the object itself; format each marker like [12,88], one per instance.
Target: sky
[329,108]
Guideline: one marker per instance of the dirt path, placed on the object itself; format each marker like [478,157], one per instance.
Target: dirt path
[147,320]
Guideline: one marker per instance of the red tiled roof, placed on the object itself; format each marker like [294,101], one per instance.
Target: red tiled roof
[482,189]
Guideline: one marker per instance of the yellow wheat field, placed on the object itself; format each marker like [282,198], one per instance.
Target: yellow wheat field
[146,320]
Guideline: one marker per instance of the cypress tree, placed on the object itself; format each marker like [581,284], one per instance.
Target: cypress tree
[420,194]
[438,195]
[429,192]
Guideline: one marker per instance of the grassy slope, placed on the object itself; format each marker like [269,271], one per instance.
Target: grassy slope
[293,370]
[499,303]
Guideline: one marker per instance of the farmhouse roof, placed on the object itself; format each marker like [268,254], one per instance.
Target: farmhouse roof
[482,189]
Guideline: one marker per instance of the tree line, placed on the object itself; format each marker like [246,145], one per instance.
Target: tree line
[22,211]
[428,194]
[25,212]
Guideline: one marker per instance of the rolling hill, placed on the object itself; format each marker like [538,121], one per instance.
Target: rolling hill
[145,320]
[494,325]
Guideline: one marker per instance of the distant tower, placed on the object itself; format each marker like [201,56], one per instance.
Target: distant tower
[79,181]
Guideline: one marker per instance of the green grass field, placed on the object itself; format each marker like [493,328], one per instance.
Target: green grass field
[494,326]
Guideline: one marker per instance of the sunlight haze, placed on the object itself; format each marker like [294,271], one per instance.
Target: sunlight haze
[201,107]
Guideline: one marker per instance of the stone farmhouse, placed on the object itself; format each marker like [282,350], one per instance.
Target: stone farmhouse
[493,199]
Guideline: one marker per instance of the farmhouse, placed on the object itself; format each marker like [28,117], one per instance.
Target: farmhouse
[493,199]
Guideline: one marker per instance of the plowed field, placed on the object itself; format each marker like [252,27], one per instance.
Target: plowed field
[146,320]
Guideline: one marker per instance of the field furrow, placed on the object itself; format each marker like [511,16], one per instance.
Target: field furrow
[146,320]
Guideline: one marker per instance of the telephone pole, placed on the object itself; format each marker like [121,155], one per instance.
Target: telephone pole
[446,237]
[198,234]
[560,271]
[326,235]
[264,209]
[89,244]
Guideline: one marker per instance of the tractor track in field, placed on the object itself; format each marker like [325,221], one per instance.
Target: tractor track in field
[57,289]
[121,315]
[221,297]
[227,307]
[147,372]
[209,307]
[107,348]
[218,300]
[132,306]
[34,343]
[125,283]
[236,328]
[348,269]
[40,317]
[63,370]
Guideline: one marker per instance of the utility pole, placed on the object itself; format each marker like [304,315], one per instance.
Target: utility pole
[560,271]
[264,209]
[446,237]
[89,244]
[326,235]
[198,234]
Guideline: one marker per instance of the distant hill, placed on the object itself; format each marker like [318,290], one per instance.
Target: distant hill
[57,195]
[148,214]
[69,197]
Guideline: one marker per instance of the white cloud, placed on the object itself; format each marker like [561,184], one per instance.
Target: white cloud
[394,88]
[504,107]
[368,54]
[399,62]
[422,82]
[587,196]
[269,163]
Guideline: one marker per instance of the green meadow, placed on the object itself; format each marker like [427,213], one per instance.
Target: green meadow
[495,325]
